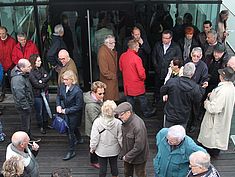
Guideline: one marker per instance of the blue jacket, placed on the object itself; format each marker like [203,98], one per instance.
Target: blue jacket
[174,163]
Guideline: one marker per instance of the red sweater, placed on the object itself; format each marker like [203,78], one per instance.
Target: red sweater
[6,48]
[133,72]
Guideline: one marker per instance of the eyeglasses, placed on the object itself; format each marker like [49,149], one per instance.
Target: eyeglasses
[196,56]
[101,93]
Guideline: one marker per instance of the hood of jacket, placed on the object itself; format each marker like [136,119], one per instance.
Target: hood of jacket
[16,72]
[89,99]
[107,123]
[186,84]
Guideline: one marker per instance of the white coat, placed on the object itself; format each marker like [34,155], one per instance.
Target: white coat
[215,127]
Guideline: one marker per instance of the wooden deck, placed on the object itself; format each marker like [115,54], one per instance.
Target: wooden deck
[53,147]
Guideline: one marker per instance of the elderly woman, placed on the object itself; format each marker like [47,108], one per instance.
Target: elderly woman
[200,165]
[216,124]
[173,144]
[106,138]
[39,79]
[93,100]
[13,167]
[69,102]
[222,29]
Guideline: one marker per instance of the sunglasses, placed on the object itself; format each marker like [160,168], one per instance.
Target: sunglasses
[101,93]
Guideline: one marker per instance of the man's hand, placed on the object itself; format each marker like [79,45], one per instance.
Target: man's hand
[205,84]
[59,109]
[35,146]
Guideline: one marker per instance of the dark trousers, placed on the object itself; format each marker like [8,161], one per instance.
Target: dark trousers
[72,126]
[25,116]
[145,107]
[140,169]
[103,161]
[41,113]
[6,75]
[167,124]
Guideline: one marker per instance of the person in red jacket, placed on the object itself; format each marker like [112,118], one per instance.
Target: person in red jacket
[7,44]
[133,72]
[24,48]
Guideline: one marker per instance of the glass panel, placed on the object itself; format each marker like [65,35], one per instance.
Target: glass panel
[6,18]
[12,1]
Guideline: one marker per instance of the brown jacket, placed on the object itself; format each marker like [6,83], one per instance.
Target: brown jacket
[135,145]
[107,61]
[69,66]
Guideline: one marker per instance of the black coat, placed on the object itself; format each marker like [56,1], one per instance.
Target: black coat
[72,101]
[39,79]
[182,93]
[162,61]
[56,46]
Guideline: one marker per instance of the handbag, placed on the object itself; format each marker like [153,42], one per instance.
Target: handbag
[60,124]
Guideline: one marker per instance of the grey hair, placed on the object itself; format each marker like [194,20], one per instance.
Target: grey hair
[22,34]
[106,39]
[58,29]
[197,49]
[177,131]
[189,69]
[200,158]
[108,108]
[213,32]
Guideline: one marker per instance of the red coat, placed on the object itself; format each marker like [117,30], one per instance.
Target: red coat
[133,72]
[29,49]
[6,48]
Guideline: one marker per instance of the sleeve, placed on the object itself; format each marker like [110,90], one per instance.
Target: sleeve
[215,105]
[92,112]
[119,134]
[52,52]
[140,69]
[35,49]
[19,89]
[14,56]
[104,65]
[192,146]
[154,56]
[58,97]
[164,89]
[145,46]
[95,136]
[78,106]
[178,51]
[35,82]
[120,63]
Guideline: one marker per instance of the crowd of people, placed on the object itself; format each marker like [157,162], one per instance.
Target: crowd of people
[193,77]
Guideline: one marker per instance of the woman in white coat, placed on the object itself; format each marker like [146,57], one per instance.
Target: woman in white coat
[106,138]
[215,127]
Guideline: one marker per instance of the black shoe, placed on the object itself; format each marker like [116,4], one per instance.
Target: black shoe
[80,141]
[69,155]
[2,96]
[43,131]
[49,127]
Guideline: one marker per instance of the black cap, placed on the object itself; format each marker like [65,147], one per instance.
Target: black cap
[219,47]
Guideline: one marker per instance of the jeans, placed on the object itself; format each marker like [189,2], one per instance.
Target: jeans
[140,169]
[25,116]
[3,83]
[103,165]
[41,112]
[145,107]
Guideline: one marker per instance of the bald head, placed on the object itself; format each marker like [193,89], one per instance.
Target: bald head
[24,65]
[63,56]
[18,138]
[231,62]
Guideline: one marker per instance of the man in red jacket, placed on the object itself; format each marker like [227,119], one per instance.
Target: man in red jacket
[7,44]
[133,72]
[24,48]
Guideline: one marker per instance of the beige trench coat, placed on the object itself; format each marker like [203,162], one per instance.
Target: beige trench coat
[107,61]
[215,127]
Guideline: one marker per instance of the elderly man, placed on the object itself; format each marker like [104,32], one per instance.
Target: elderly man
[135,147]
[7,43]
[200,165]
[133,72]
[56,45]
[107,61]
[22,147]
[216,124]
[182,93]
[163,53]
[174,149]
[21,89]
[24,48]
[67,64]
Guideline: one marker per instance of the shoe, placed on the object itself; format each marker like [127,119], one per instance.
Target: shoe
[49,127]
[95,165]
[43,131]
[2,137]
[69,155]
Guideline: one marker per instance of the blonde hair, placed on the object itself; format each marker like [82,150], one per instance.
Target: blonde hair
[97,84]
[13,167]
[70,75]
[108,108]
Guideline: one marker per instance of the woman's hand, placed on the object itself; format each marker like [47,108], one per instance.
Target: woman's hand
[59,109]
